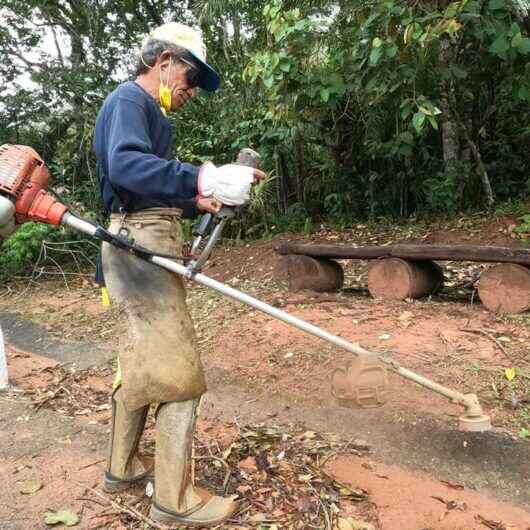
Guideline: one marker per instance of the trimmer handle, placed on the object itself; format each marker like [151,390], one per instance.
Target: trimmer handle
[212,225]
[203,226]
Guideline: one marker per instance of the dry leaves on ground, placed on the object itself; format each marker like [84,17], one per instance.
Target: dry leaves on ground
[279,476]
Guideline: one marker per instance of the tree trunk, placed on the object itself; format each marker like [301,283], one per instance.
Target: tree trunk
[300,166]
[481,168]
[225,41]
[449,125]
[484,177]
[372,195]
[236,22]
[282,189]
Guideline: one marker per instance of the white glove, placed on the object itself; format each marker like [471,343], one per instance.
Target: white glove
[229,184]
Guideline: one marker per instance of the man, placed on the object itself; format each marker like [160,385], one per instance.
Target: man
[147,193]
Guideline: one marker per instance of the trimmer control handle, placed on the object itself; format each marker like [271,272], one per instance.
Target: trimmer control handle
[203,227]
[212,225]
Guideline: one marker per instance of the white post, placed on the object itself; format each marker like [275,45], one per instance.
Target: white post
[3,363]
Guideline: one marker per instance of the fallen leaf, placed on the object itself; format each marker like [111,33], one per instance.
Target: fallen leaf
[510,374]
[305,478]
[248,465]
[227,451]
[356,494]
[457,505]
[440,499]
[29,487]
[452,486]
[65,517]
[385,336]
[406,315]
[357,524]
[494,525]
[257,518]
[303,503]
[309,435]
[344,524]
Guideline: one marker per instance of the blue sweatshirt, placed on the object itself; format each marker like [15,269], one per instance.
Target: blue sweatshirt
[132,142]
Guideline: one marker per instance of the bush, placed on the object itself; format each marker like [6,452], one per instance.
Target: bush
[20,252]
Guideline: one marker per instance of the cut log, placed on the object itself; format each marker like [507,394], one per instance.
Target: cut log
[398,279]
[316,274]
[317,250]
[411,252]
[505,288]
[462,253]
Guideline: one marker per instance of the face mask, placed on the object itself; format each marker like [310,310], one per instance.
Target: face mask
[164,93]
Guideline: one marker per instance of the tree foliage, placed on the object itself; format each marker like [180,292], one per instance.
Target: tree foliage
[360,109]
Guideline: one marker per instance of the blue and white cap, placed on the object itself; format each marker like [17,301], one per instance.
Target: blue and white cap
[190,39]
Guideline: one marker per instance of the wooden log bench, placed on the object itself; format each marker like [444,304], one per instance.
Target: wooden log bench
[403,271]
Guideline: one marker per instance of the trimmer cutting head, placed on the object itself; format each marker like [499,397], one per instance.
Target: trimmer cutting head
[363,384]
[474,423]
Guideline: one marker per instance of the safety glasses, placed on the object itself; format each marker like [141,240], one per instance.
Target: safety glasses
[192,72]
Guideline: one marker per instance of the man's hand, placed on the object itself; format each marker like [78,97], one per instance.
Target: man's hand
[208,204]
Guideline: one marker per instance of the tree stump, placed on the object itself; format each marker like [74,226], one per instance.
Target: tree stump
[505,288]
[398,279]
[316,274]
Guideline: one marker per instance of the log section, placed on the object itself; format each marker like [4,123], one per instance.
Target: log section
[316,274]
[505,288]
[398,279]
[411,252]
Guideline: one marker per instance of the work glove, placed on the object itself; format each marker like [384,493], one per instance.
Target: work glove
[229,184]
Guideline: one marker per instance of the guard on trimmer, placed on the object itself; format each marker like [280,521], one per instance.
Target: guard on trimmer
[147,193]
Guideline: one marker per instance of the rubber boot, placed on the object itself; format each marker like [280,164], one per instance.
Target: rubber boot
[124,466]
[176,499]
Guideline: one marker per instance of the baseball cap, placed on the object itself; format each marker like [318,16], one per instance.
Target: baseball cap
[190,39]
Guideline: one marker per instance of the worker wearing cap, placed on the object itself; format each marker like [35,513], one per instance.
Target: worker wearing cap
[147,193]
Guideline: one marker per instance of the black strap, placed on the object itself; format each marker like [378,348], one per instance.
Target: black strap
[125,244]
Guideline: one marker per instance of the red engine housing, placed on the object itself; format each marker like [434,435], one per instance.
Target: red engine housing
[24,178]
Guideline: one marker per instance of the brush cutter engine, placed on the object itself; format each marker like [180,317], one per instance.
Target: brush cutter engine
[24,197]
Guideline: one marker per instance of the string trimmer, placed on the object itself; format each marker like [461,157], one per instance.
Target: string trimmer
[24,197]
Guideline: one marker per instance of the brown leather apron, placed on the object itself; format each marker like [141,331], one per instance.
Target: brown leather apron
[159,359]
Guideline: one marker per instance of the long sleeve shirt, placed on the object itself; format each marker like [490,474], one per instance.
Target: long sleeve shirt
[132,142]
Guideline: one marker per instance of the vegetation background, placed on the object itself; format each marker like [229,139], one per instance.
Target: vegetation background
[360,108]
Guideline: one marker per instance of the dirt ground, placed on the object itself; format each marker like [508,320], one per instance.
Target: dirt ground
[400,467]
